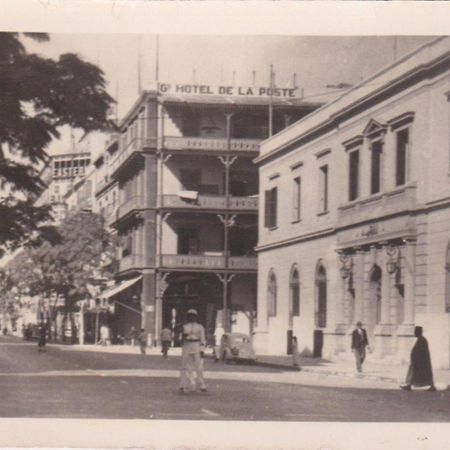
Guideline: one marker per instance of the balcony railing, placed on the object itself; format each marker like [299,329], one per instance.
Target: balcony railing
[243,262]
[208,262]
[131,204]
[135,145]
[210,202]
[102,183]
[212,144]
[378,205]
[131,262]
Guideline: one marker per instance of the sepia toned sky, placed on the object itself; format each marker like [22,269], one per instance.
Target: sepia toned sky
[317,61]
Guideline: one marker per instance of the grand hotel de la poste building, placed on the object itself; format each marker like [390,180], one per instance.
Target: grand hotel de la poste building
[187,205]
[355,217]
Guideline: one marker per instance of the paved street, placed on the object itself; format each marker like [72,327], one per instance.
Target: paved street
[68,383]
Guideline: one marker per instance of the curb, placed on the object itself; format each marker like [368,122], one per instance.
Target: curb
[328,372]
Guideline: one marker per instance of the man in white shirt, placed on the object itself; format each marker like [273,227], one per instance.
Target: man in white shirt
[192,353]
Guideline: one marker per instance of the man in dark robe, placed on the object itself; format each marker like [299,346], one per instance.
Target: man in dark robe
[42,337]
[420,372]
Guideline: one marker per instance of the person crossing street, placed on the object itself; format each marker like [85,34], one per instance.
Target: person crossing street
[192,354]
[42,337]
[166,339]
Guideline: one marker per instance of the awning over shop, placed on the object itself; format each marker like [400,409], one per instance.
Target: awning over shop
[118,288]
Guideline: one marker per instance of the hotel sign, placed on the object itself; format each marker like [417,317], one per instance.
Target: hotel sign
[229,91]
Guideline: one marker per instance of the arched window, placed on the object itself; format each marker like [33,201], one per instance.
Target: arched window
[272,295]
[375,293]
[294,288]
[321,296]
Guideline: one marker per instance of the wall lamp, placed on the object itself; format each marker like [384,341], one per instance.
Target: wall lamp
[392,263]
[346,267]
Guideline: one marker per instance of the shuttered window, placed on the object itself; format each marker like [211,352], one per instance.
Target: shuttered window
[270,208]
[296,199]
[401,156]
[375,178]
[323,188]
[353,175]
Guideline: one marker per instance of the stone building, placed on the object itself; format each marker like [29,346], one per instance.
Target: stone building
[355,217]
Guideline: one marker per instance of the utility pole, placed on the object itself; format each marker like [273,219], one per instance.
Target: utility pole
[271,102]
[139,80]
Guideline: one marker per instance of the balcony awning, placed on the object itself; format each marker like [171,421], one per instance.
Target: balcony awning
[118,288]
[188,195]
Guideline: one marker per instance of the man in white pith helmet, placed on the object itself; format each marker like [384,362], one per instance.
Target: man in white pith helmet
[192,355]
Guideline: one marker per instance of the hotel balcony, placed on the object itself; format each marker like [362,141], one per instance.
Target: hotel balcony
[134,203]
[130,262]
[209,202]
[211,144]
[209,262]
[125,152]
[401,199]
[102,184]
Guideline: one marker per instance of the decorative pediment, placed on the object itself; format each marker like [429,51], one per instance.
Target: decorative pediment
[373,128]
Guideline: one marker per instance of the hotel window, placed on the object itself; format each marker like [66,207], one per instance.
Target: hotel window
[323,189]
[376,148]
[272,295]
[353,175]
[270,208]
[401,156]
[296,199]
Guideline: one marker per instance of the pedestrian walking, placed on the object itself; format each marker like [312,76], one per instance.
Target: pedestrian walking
[142,338]
[420,373]
[192,354]
[359,344]
[131,336]
[166,339]
[42,338]
[295,353]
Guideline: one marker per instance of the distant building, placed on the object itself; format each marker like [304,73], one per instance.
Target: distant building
[355,217]
[106,189]
[61,175]
[188,205]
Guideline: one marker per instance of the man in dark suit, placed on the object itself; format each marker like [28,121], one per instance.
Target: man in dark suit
[359,344]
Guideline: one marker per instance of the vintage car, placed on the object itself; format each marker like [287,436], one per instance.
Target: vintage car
[233,347]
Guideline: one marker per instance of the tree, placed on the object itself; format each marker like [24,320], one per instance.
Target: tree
[38,96]
[69,268]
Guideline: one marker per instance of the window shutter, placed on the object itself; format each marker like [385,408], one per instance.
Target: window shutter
[267,202]
[273,221]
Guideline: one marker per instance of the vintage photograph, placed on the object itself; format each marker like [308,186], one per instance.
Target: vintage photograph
[225,227]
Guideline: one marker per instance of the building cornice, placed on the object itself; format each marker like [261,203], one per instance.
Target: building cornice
[420,209]
[295,240]
[375,96]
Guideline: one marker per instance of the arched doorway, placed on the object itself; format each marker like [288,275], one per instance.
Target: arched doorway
[272,294]
[374,306]
[320,308]
[294,296]
[321,296]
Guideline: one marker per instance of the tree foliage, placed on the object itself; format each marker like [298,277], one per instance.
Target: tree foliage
[38,96]
[70,268]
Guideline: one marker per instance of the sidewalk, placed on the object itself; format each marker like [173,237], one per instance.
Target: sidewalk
[372,370]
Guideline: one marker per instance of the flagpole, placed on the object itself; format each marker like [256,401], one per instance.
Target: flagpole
[270,102]
[139,80]
[157,61]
